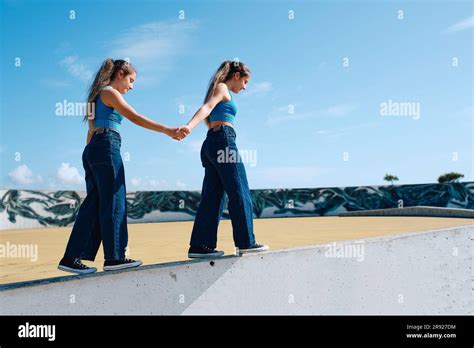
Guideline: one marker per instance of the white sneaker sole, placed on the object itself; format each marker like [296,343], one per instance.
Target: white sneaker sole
[123,266]
[205,256]
[250,251]
[77,271]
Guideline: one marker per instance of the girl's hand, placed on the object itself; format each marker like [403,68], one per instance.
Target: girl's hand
[184,131]
[173,132]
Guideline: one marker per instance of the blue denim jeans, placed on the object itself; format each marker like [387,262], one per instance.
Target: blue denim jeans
[102,215]
[223,174]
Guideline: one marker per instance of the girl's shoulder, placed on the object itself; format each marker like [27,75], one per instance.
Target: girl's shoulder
[108,96]
[222,89]
[107,90]
[221,86]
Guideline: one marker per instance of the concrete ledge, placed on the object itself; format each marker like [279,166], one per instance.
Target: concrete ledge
[71,277]
[413,273]
[415,211]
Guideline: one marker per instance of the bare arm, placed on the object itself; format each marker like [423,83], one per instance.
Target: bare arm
[115,100]
[206,108]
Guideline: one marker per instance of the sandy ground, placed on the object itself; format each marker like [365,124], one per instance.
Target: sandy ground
[168,241]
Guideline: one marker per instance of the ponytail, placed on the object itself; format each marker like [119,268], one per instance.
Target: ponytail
[225,72]
[103,77]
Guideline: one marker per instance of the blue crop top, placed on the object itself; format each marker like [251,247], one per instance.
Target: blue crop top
[105,116]
[224,111]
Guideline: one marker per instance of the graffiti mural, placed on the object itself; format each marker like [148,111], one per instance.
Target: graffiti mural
[30,209]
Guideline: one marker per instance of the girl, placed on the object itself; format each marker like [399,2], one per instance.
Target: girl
[102,215]
[219,110]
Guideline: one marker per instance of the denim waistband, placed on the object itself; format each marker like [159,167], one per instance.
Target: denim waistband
[100,130]
[223,130]
[107,134]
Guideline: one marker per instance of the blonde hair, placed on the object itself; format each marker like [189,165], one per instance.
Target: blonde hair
[107,72]
[226,71]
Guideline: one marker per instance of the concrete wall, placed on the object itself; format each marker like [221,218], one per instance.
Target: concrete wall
[416,273]
[415,211]
[38,209]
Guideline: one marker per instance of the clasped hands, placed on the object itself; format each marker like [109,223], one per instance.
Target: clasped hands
[179,133]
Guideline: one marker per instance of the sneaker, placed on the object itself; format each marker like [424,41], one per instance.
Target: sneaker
[112,265]
[254,248]
[75,266]
[204,252]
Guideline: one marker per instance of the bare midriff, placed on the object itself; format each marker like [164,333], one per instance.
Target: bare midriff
[220,123]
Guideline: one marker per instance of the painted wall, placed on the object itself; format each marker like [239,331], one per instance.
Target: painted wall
[35,209]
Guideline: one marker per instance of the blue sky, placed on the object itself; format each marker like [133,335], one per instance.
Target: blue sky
[312,113]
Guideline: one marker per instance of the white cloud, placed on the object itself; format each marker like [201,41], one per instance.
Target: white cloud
[63,48]
[282,114]
[469,111]
[52,185]
[339,110]
[258,88]
[149,184]
[77,69]
[462,25]
[152,44]
[69,175]
[180,185]
[135,181]
[193,146]
[289,176]
[187,105]
[21,175]
[151,47]
[337,133]
[282,118]
[55,83]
